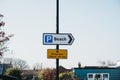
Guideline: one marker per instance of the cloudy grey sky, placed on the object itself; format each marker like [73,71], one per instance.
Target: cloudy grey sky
[95,25]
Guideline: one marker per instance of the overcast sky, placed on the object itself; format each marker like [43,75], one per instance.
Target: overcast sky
[95,25]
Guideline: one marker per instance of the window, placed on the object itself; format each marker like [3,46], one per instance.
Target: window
[98,76]
[90,76]
[105,76]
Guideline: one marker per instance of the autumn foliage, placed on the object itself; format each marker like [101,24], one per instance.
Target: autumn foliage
[4,38]
[47,74]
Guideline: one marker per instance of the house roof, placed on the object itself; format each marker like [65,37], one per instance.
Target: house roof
[29,72]
[34,72]
[97,67]
[63,69]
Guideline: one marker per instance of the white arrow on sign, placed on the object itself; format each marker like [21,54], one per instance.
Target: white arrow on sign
[54,39]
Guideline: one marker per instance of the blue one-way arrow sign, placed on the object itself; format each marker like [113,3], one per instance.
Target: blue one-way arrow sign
[54,39]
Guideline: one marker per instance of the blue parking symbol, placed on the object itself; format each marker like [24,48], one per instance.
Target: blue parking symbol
[48,38]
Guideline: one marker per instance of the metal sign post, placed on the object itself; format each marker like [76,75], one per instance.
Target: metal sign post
[57,32]
[57,39]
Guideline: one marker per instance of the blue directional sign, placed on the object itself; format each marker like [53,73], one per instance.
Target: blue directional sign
[54,39]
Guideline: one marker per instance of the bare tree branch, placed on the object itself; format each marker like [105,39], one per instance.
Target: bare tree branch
[18,63]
